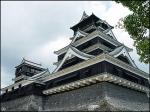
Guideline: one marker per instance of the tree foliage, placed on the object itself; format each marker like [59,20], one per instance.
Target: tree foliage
[137,25]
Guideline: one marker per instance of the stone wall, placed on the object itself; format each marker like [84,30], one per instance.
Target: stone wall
[32,103]
[78,99]
[124,98]
[100,96]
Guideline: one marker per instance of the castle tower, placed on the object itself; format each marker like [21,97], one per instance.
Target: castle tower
[94,72]
[92,36]
[27,69]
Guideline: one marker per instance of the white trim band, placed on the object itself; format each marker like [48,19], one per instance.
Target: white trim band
[95,79]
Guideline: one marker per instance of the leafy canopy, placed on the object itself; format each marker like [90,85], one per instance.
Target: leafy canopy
[137,25]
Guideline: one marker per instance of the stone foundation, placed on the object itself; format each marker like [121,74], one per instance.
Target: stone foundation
[26,103]
[101,96]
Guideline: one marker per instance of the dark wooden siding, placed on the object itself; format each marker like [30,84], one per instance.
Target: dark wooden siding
[74,76]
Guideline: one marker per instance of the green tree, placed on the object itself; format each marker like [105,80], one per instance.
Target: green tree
[137,25]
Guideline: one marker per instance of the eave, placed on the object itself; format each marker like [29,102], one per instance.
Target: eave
[90,49]
[92,36]
[73,51]
[92,16]
[97,59]
[34,66]
[122,50]
[84,64]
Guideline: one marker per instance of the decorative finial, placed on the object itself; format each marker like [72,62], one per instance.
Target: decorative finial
[84,12]
[23,60]
[84,16]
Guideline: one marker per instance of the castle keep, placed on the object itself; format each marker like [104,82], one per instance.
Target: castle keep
[94,72]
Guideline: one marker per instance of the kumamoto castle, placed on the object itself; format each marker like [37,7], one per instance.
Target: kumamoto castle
[93,73]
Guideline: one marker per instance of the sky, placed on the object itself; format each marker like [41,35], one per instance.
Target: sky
[35,29]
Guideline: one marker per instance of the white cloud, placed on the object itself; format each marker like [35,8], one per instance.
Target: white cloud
[6,78]
[95,7]
[114,13]
[45,53]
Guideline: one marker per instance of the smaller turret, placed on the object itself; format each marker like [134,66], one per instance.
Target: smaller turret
[27,69]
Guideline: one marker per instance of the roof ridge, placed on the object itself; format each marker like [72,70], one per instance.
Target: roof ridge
[25,60]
